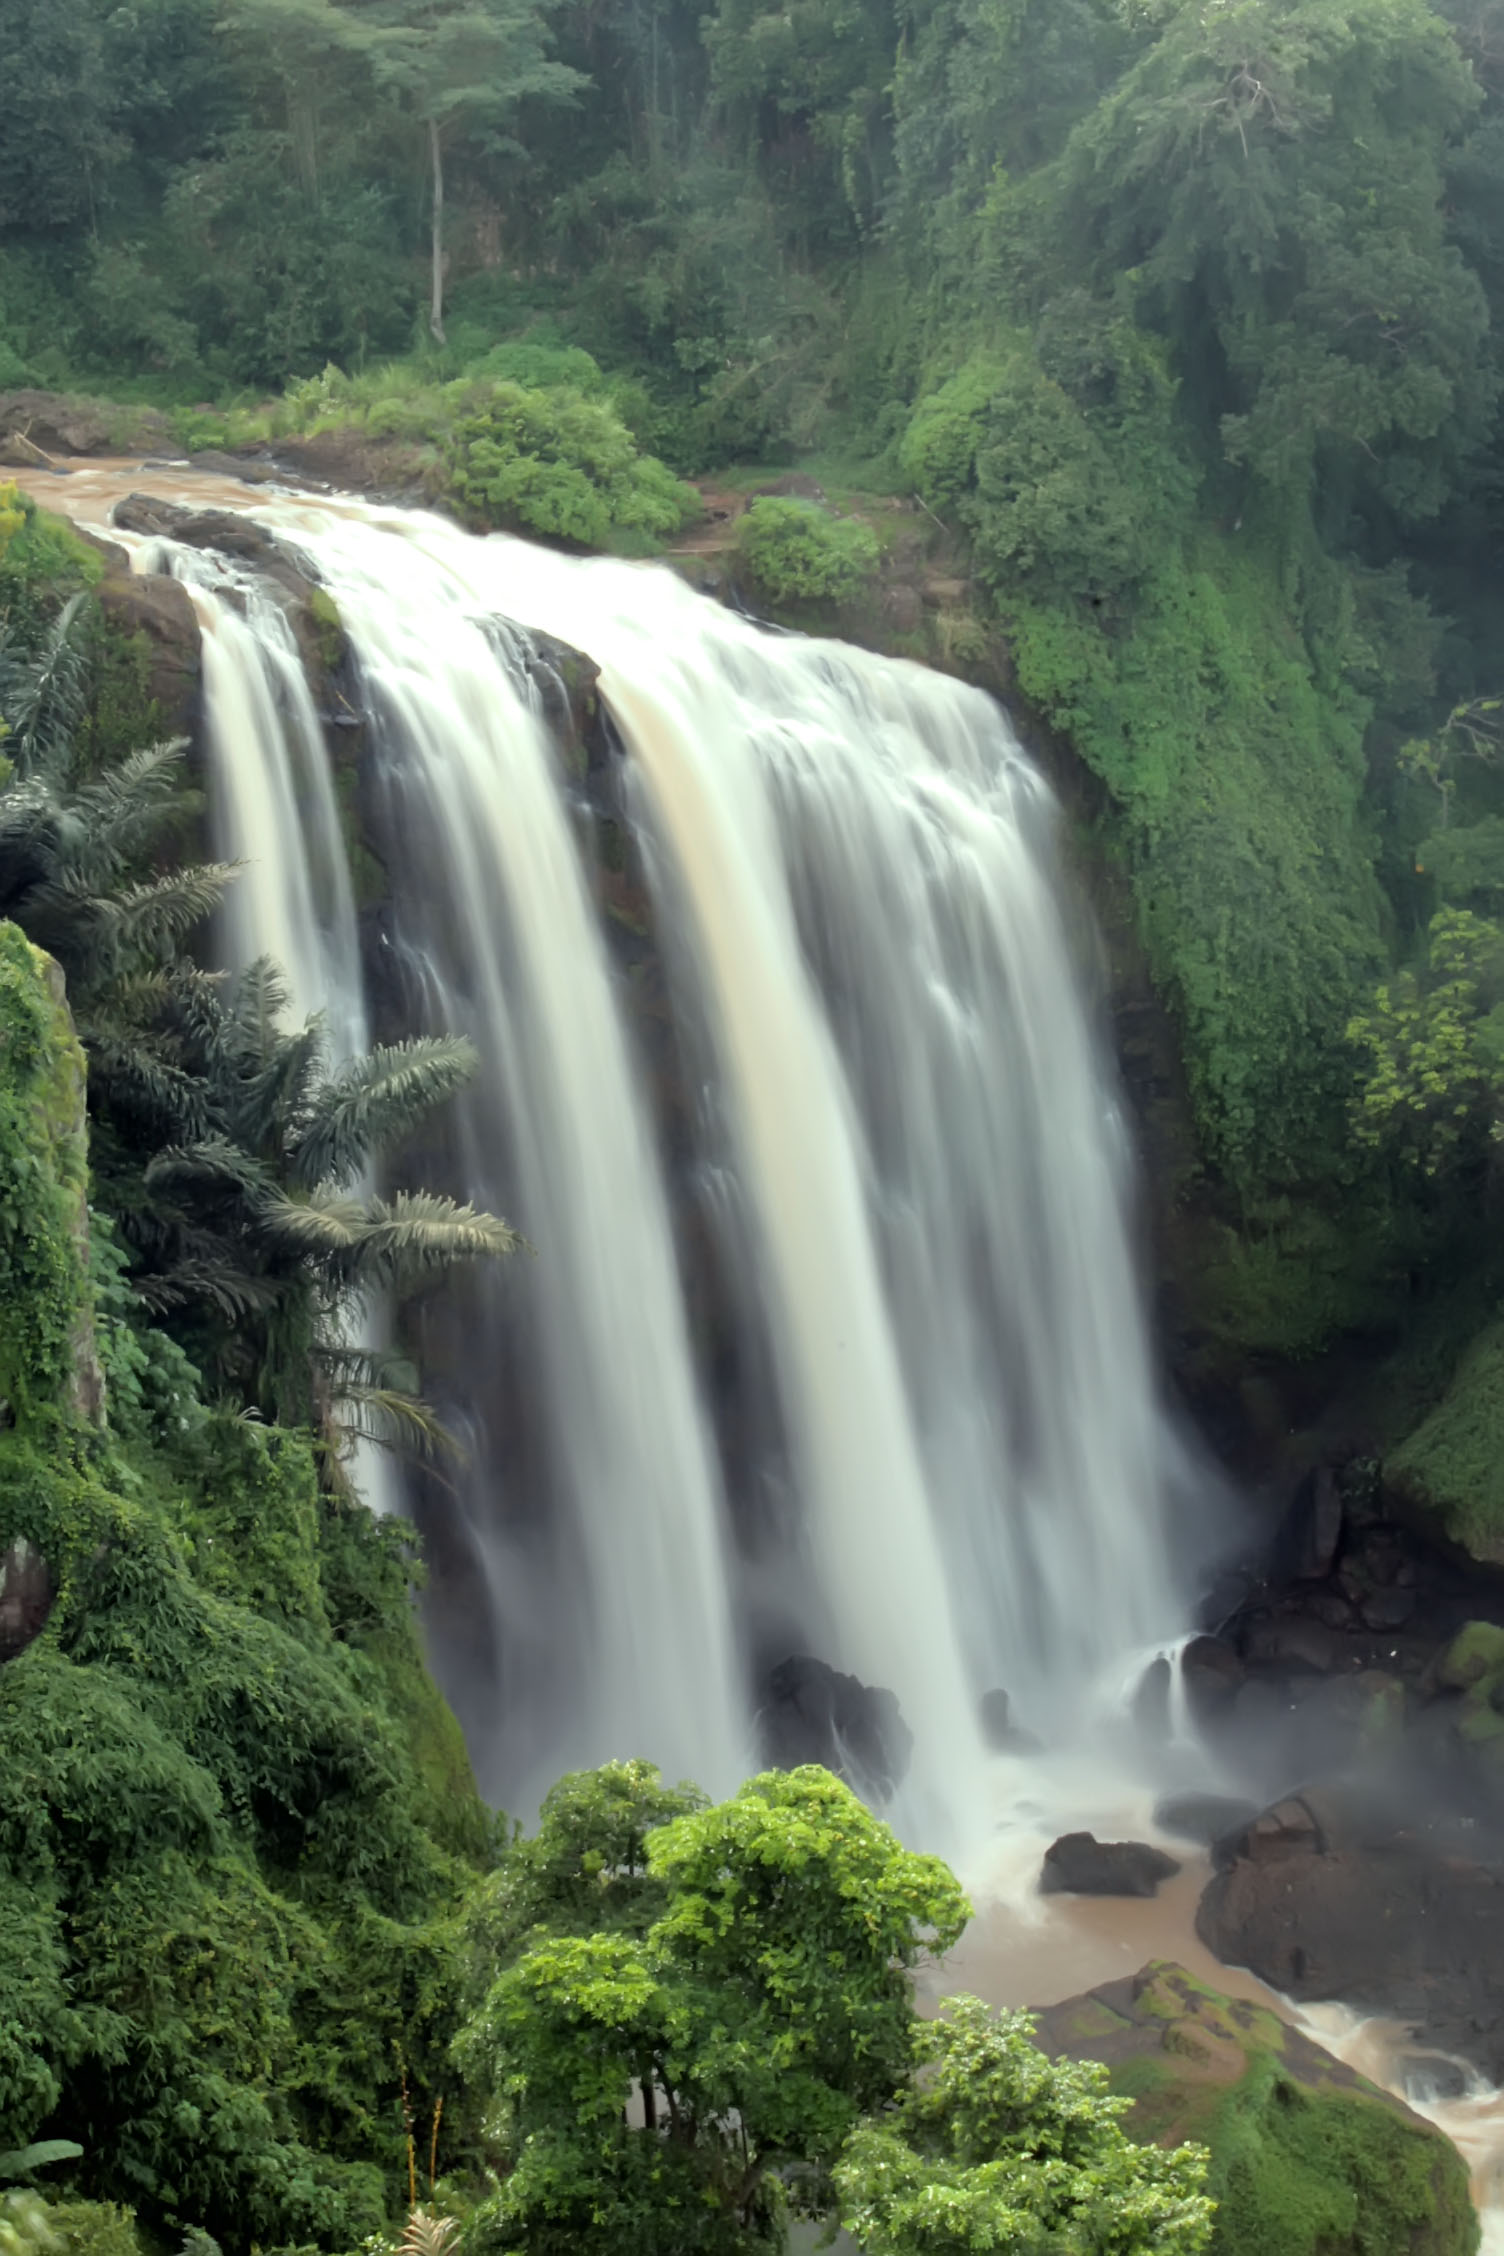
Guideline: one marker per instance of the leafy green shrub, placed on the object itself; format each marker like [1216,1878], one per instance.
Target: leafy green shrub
[1435,1049]
[796,552]
[557,463]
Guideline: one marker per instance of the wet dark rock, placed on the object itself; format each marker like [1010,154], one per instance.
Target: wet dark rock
[1305,1549]
[27,1592]
[1078,1864]
[1323,1896]
[1000,1732]
[1203,1817]
[1290,1642]
[1430,2078]
[1212,1674]
[1389,1609]
[811,1713]
[159,609]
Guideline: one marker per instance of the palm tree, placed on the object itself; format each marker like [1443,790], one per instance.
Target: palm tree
[229,1149]
[255,1225]
[71,855]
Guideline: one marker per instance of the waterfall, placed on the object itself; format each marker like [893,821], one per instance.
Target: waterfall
[906,1146]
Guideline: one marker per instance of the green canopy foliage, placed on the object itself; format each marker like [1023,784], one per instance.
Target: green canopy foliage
[745,1965]
[993,2146]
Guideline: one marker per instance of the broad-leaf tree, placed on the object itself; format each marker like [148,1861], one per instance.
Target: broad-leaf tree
[992,2146]
[752,1984]
[459,66]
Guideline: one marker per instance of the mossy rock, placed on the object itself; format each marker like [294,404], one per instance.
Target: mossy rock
[1308,2158]
[1475,1654]
[47,1356]
[1453,1463]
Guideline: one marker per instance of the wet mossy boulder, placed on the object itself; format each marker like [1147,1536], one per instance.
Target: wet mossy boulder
[1308,2158]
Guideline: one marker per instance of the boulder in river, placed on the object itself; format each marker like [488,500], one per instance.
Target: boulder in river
[1307,2158]
[1325,1898]
[1078,1864]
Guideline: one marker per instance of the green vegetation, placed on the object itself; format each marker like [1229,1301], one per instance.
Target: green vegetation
[997,2146]
[795,553]
[746,1967]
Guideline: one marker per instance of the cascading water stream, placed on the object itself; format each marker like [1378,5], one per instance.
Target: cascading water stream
[918,1171]
[274,810]
[637,1653]
[855,856]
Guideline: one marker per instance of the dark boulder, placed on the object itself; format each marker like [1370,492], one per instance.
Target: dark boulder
[1291,1644]
[1211,1673]
[1305,1549]
[1323,1897]
[1078,1864]
[27,1592]
[811,1713]
[999,1731]
[158,609]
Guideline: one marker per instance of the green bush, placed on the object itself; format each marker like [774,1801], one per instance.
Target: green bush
[556,463]
[795,552]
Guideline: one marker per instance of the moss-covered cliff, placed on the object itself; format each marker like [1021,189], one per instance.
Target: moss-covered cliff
[235,1817]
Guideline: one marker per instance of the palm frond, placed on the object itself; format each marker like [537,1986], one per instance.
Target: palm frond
[326,1229]
[374,1101]
[125,808]
[273,1097]
[417,1236]
[260,1003]
[44,696]
[396,1420]
[134,1075]
[154,915]
[233,1293]
[212,1163]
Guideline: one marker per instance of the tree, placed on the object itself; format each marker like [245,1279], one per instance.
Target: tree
[1271,176]
[457,64]
[752,1986]
[253,1219]
[1434,1041]
[994,2147]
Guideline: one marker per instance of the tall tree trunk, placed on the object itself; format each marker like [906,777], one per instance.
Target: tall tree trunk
[436,302]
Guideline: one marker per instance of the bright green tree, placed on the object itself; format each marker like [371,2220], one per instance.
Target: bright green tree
[993,2147]
[1434,1041]
[752,1983]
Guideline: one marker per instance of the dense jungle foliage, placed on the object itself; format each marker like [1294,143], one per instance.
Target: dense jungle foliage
[1185,318]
